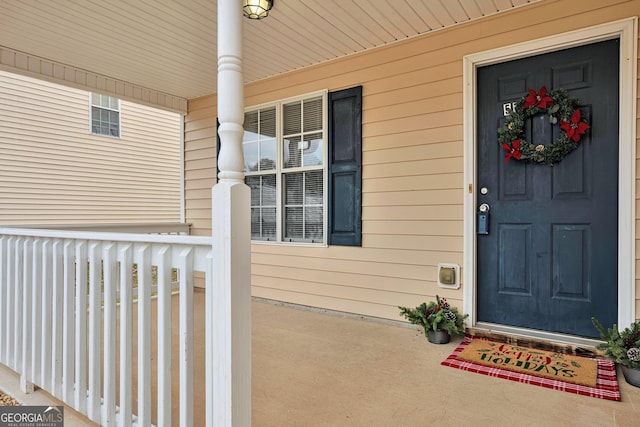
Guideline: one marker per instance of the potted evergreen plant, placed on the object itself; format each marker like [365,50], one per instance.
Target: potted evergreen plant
[438,319]
[623,348]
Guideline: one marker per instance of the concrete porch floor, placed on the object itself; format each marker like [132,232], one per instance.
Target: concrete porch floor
[317,369]
[313,369]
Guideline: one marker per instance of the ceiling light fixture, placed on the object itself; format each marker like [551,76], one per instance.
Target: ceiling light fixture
[256,9]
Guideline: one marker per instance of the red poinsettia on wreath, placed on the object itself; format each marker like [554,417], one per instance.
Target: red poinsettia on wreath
[575,128]
[513,151]
[539,99]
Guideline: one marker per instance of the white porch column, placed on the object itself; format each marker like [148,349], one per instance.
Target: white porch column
[229,305]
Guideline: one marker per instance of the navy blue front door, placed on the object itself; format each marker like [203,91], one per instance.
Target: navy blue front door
[550,259]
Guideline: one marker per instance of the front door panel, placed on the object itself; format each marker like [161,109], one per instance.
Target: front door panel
[550,259]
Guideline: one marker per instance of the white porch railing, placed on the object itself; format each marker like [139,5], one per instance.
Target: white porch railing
[62,295]
[180,228]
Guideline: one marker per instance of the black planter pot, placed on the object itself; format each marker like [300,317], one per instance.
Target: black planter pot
[632,375]
[438,337]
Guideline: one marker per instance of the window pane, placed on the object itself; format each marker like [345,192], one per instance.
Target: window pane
[293,223]
[104,116]
[114,131]
[292,116]
[263,210]
[250,126]
[303,206]
[260,127]
[312,115]
[313,150]
[313,228]
[269,190]
[255,222]
[251,154]
[269,223]
[293,188]
[114,117]
[268,154]
[268,123]
[313,188]
[253,182]
[292,157]
[113,103]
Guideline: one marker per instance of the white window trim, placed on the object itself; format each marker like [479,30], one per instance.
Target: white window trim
[119,110]
[280,170]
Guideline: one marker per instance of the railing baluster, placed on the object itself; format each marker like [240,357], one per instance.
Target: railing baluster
[209,339]
[36,310]
[186,337]
[110,286]
[143,259]
[81,327]
[95,324]
[14,311]
[125,256]
[57,334]
[164,337]
[46,326]
[18,286]
[26,375]
[3,297]
[68,361]
[10,302]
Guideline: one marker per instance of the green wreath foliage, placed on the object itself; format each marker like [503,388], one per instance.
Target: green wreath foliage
[512,133]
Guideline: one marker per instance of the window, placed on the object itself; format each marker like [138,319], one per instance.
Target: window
[306,176]
[105,115]
[285,167]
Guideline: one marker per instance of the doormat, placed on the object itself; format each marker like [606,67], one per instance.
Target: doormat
[574,374]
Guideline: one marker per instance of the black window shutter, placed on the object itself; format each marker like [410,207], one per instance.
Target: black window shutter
[345,167]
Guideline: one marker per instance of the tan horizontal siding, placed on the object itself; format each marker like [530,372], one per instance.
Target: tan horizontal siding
[53,170]
[436,150]
[323,266]
[413,228]
[408,183]
[418,137]
[400,257]
[374,290]
[413,162]
[200,162]
[412,198]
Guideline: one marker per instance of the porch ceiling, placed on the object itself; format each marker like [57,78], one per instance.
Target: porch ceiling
[169,47]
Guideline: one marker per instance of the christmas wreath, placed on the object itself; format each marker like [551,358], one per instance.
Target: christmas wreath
[560,108]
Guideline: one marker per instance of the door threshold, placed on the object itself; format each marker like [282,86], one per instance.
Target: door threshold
[568,344]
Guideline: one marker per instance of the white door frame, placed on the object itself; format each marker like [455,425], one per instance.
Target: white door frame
[627,31]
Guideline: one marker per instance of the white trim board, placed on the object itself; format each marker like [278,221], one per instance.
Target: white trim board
[41,68]
[627,31]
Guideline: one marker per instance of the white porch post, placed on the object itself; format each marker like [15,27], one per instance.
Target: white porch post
[229,299]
